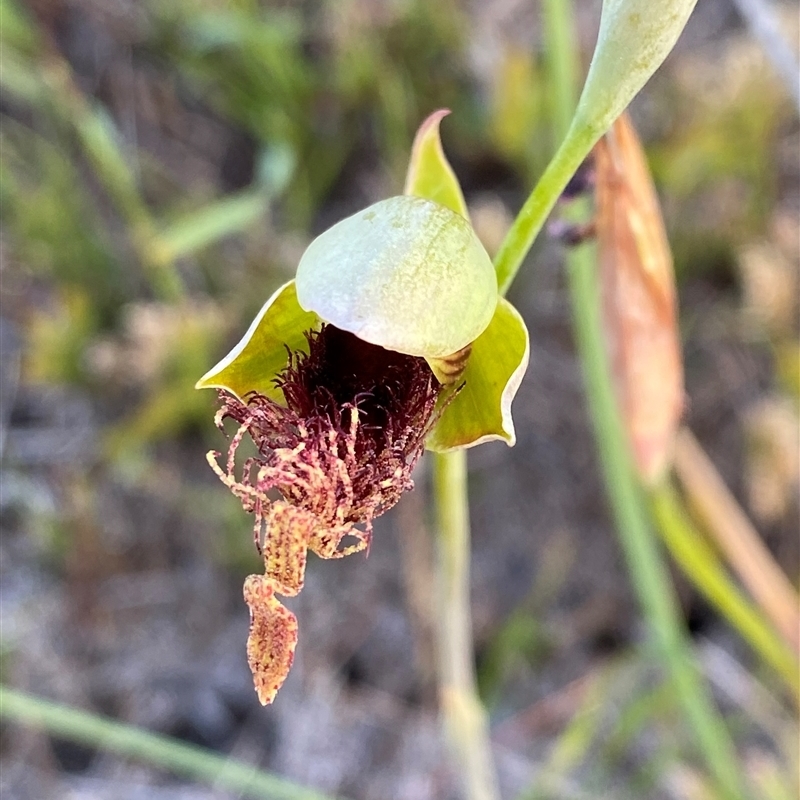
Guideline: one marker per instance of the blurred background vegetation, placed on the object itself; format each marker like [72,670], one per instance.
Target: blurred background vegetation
[163,167]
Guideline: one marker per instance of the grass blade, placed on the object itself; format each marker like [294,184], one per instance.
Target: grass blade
[160,751]
[701,565]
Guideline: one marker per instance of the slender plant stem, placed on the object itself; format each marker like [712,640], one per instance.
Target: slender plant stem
[125,740]
[464,716]
[539,204]
[562,62]
[648,571]
[647,568]
[700,563]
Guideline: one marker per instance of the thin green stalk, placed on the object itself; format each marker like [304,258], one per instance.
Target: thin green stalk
[562,62]
[647,568]
[648,571]
[702,566]
[562,68]
[464,716]
[538,206]
[183,759]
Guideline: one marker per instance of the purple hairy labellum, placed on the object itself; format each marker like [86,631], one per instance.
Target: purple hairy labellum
[337,454]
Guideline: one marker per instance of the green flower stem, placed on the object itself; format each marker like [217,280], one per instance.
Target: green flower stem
[183,759]
[575,147]
[700,563]
[464,716]
[647,568]
[562,62]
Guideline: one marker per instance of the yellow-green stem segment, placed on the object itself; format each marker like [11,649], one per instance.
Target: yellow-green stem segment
[537,207]
[645,563]
[464,716]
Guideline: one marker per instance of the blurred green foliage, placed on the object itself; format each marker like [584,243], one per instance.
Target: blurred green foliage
[318,85]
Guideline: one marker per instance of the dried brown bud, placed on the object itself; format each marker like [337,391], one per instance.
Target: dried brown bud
[639,304]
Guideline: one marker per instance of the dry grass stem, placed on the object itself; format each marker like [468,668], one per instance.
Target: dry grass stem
[736,537]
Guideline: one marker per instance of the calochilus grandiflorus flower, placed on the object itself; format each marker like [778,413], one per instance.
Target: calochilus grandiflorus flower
[391,339]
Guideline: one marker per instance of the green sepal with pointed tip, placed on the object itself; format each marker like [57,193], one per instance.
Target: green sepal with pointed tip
[481,410]
[261,353]
[429,172]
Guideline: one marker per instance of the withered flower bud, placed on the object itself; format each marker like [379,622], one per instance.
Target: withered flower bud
[639,301]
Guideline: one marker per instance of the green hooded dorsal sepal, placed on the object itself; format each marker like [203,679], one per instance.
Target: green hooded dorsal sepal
[406,274]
